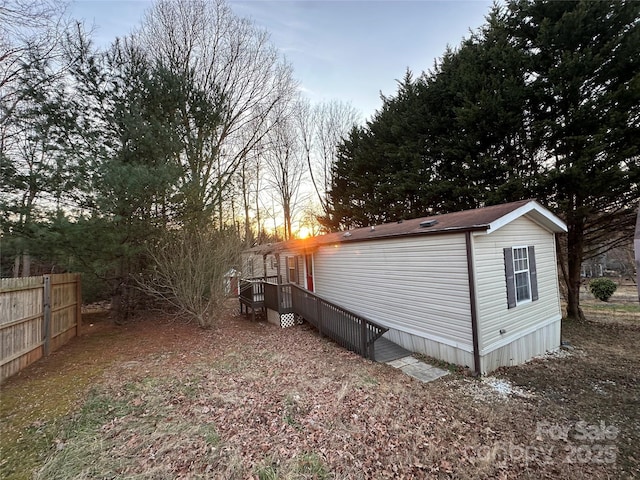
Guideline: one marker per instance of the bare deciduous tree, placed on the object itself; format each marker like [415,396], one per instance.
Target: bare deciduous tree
[230,58]
[248,183]
[322,127]
[286,166]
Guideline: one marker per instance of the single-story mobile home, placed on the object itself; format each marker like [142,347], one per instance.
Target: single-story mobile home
[478,288]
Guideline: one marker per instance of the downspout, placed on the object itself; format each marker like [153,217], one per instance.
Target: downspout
[277,255]
[278,282]
[474,304]
[264,267]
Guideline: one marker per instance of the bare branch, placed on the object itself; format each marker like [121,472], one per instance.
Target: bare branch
[189,272]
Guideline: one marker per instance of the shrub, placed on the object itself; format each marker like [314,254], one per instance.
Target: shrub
[189,270]
[602,288]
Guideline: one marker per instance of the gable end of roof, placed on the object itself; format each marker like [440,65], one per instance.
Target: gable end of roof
[534,211]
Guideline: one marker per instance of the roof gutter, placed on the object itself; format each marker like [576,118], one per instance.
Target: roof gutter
[315,242]
[474,303]
[423,232]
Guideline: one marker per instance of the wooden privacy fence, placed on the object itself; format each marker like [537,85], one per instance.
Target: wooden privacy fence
[37,316]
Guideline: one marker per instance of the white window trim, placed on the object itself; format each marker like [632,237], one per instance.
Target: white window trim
[295,269]
[516,272]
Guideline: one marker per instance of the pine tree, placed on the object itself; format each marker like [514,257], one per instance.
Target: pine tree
[583,72]
[381,171]
[543,101]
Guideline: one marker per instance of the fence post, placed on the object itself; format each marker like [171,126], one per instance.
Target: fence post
[78,303]
[363,339]
[279,297]
[47,313]
[318,315]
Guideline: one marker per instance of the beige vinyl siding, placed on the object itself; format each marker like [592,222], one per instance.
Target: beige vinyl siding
[284,267]
[282,258]
[491,287]
[272,267]
[415,285]
[258,262]
[250,265]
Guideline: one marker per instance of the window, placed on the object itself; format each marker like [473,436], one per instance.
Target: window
[521,275]
[292,275]
[250,267]
[521,272]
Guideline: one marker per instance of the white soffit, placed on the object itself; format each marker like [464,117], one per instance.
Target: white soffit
[535,212]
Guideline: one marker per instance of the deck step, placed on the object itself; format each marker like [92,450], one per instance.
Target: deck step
[386,350]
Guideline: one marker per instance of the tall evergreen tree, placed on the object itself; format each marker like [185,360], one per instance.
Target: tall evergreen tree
[95,161]
[381,170]
[542,102]
[34,177]
[454,138]
[583,82]
[478,134]
[126,139]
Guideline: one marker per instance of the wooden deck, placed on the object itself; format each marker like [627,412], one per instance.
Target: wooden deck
[386,351]
[251,297]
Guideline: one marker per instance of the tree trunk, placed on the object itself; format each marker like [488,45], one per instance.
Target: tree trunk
[26,264]
[287,220]
[258,224]
[575,252]
[220,218]
[248,237]
[119,298]
[16,266]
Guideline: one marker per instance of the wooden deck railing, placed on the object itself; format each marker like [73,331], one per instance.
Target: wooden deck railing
[252,290]
[252,295]
[269,279]
[278,297]
[271,297]
[349,329]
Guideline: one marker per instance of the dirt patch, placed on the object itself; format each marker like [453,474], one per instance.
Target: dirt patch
[595,382]
[250,400]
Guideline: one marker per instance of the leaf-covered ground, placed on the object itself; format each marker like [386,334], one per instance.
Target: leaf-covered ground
[158,399]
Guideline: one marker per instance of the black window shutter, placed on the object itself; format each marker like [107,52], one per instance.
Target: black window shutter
[533,273]
[511,281]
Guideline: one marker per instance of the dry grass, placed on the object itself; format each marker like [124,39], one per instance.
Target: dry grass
[622,307]
[250,400]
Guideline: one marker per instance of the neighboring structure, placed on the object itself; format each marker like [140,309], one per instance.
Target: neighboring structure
[477,288]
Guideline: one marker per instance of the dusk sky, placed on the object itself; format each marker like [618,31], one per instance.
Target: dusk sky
[345,50]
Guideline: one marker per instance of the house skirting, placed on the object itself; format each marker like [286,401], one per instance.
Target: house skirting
[283,320]
[538,342]
[517,351]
